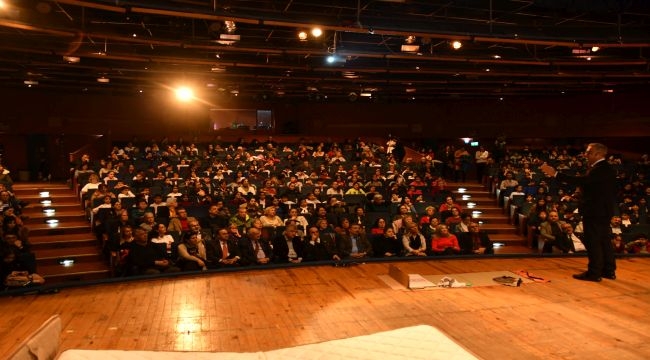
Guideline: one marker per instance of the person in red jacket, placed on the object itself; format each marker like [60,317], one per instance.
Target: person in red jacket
[444,242]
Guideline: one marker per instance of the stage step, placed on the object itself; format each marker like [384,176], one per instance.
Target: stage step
[76,272]
[492,218]
[63,227]
[68,214]
[70,239]
[80,254]
[38,208]
[63,241]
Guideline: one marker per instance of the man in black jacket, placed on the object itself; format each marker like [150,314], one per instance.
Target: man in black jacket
[596,206]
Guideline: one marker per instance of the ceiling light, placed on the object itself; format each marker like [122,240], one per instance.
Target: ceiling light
[608,91]
[365,94]
[72,59]
[134,35]
[456,45]
[488,69]
[332,59]
[588,58]
[410,48]
[316,32]
[230,25]
[228,39]
[103,80]
[184,94]
[30,82]
[410,39]
[497,56]
[302,36]
[580,51]
[595,48]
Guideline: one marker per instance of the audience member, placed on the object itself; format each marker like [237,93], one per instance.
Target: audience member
[222,252]
[191,253]
[254,250]
[317,248]
[354,244]
[413,242]
[145,258]
[475,241]
[444,242]
[386,244]
[288,246]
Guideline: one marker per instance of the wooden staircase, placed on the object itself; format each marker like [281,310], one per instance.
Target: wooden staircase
[493,218]
[70,239]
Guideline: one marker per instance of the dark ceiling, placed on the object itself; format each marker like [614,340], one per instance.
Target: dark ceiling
[509,47]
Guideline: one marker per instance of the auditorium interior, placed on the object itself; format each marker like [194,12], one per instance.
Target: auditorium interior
[271,82]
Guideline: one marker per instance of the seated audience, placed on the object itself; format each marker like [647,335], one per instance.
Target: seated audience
[14,273]
[191,253]
[444,242]
[287,246]
[550,234]
[317,248]
[413,242]
[254,250]
[572,243]
[475,241]
[353,244]
[222,252]
[145,257]
[386,244]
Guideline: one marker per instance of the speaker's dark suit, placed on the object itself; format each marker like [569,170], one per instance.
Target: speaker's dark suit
[597,204]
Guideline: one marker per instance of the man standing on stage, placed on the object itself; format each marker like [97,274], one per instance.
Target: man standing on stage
[596,206]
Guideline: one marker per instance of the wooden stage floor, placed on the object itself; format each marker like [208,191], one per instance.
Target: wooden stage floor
[265,310]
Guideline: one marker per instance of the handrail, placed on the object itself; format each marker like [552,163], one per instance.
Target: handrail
[75,155]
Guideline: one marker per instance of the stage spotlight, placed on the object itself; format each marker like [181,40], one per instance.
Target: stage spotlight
[316,32]
[184,94]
